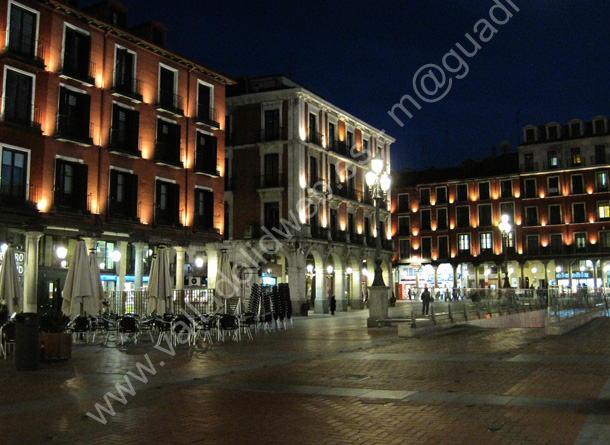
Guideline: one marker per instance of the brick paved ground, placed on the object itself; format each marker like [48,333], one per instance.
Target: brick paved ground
[327,380]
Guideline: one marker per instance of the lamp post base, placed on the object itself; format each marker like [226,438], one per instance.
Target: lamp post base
[379,297]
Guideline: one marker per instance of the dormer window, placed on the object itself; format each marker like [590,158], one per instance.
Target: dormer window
[530,135]
[576,129]
[599,126]
[552,132]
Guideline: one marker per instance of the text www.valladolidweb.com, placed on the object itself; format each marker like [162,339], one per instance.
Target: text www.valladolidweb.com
[431,83]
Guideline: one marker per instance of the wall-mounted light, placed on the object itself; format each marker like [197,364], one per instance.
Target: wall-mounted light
[330,269]
[116,256]
[199,262]
[349,271]
[61,252]
[309,268]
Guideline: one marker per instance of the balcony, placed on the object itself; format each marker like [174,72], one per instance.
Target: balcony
[167,155]
[317,184]
[123,211]
[315,138]
[13,194]
[83,72]
[167,218]
[271,134]
[204,224]
[28,123]
[24,50]
[169,102]
[208,116]
[206,165]
[128,88]
[71,202]
[320,233]
[339,236]
[69,129]
[120,144]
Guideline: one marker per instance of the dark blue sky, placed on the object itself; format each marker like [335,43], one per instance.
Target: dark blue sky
[549,62]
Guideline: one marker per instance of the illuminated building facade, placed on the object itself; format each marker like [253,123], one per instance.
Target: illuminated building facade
[108,136]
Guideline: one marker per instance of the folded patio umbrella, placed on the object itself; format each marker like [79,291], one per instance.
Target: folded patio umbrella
[11,290]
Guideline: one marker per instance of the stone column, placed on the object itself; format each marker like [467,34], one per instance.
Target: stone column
[30,284]
[435,267]
[339,290]
[122,269]
[139,254]
[297,284]
[522,266]
[179,289]
[321,303]
[378,304]
[356,295]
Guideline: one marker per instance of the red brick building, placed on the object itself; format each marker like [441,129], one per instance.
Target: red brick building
[105,134]
[554,192]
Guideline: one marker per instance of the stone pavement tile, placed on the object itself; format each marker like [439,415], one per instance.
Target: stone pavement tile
[386,394]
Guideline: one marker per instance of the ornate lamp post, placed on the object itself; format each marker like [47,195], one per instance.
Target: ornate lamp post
[505,228]
[379,182]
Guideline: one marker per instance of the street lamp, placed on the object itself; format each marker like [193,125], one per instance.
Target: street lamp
[505,229]
[379,182]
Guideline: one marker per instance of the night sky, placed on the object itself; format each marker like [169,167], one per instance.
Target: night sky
[548,62]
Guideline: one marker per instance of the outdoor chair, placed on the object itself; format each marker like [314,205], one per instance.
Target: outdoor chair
[81,327]
[183,327]
[204,325]
[247,320]
[109,326]
[163,327]
[148,325]
[228,323]
[7,336]
[128,326]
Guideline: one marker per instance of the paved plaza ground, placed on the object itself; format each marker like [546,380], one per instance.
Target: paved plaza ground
[325,380]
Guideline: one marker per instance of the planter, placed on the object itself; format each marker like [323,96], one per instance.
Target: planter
[55,346]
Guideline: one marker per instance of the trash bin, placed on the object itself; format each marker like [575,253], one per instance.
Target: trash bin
[26,341]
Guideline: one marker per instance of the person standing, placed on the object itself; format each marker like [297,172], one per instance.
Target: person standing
[333,304]
[425,298]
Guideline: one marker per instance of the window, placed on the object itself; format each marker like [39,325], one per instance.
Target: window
[272,215]
[424,197]
[206,155]
[167,99]
[484,191]
[77,53]
[555,214]
[403,226]
[331,138]
[531,216]
[556,242]
[530,135]
[70,185]
[533,244]
[19,99]
[575,129]
[577,185]
[578,212]
[463,216]
[528,162]
[204,209]
[600,126]
[272,125]
[443,247]
[312,130]
[485,215]
[349,141]
[167,210]
[403,203]
[509,243]
[365,146]
[405,248]
[441,195]
[205,105]
[167,147]
[313,172]
[425,220]
[506,188]
[441,219]
[600,154]
[486,242]
[271,177]
[462,193]
[552,160]
[530,188]
[125,82]
[507,208]
[604,240]
[426,247]
[603,210]
[23,32]
[73,116]
[123,198]
[580,241]
[575,156]
[553,131]
[553,185]
[602,181]
[351,226]
[464,243]
[124,133]
[14,175]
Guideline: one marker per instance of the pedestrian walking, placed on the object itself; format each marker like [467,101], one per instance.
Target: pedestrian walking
[425,298]
[333,304]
